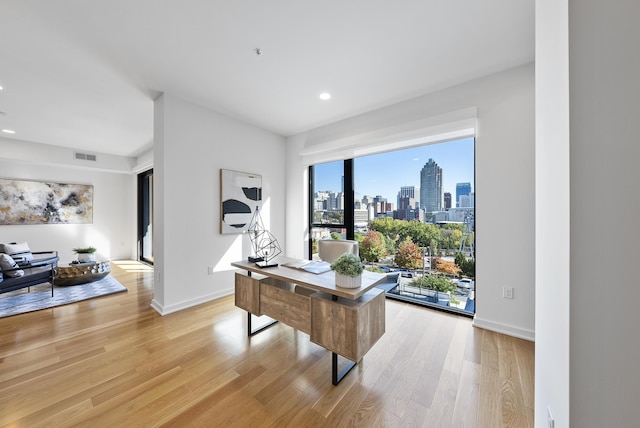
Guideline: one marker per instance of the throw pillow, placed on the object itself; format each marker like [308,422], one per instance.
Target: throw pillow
[18,252]
[7,263]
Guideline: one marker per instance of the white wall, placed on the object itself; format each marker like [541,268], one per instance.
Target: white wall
[45,154]
[191,145]
[113,230]
[604,64]
[504,175]
[587,95]
[553,212]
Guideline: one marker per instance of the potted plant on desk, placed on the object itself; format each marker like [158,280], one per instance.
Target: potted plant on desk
[348,269]
[85,254]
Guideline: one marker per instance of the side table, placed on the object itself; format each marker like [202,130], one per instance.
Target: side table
[81,273]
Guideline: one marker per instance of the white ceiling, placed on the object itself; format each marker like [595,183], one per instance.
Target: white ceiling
[83,74]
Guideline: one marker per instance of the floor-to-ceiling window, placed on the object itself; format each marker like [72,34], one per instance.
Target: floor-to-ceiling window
[330,209]
[145,216]
[412,211]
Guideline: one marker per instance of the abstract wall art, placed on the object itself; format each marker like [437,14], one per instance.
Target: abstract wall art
[241,195]
[36,202]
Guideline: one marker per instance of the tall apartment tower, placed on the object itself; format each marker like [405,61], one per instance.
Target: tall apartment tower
[411,192]
[431,187]
[380,205]
[462,189]
[447,200]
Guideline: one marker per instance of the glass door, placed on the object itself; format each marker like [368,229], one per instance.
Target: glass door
[145,216]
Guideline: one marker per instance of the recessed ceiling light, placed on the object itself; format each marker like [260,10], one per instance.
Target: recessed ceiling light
[8,131]
[325,96]
[1,88]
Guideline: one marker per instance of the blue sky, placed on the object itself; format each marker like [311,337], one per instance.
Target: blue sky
[384,174]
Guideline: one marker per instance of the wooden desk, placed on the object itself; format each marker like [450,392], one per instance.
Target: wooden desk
[348,322]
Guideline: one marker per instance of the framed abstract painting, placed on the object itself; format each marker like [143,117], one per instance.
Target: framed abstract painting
[38,202]
[241,195]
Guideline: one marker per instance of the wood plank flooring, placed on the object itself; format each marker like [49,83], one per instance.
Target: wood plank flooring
[113,361]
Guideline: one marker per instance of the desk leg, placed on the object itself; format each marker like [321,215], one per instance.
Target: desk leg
[251,332]
[335,376]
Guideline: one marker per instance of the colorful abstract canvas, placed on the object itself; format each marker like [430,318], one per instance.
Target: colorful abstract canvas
[36,202]
[241,195]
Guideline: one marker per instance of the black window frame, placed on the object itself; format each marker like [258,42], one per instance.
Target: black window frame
[349,202]
[145,209]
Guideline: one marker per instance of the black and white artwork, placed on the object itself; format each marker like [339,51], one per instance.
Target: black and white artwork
[241,195]
[37,202]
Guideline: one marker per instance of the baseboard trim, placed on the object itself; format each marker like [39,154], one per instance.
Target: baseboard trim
[505,329]
[166,310]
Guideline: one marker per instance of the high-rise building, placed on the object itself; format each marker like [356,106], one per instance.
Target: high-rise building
[335,201]
[431,187]
[406,209]
[340,201]
[462,189]
[404,203]
[409,192]
[381,206]
[447,200]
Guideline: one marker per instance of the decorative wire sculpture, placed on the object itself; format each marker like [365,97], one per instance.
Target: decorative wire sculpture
[265,245]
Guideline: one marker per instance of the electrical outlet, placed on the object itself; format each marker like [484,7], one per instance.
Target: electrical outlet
[210,270]
[550,422]
[507,292]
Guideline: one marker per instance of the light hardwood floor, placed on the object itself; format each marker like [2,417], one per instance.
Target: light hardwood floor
[113,361]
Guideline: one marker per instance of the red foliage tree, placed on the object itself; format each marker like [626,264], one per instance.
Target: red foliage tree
[409,255]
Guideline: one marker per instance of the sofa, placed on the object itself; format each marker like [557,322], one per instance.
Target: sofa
[20,268]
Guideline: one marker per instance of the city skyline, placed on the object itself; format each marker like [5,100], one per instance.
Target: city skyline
[376,175]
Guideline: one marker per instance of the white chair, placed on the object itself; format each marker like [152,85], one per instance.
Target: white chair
[331,249]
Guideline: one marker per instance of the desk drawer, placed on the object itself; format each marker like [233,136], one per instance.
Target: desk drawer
[348,327]
[279,300]
[248,293]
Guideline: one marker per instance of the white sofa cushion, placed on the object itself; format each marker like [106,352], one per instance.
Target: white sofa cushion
[20,253]
[7,263]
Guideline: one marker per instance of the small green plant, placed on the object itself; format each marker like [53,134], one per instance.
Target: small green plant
[84,250]
[434,282]
[348,264]
[374,269]
[467,266]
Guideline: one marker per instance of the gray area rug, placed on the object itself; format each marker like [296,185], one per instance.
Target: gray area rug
[21,301]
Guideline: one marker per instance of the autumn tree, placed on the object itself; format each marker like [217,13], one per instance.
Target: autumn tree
[408,255]
[446,266]
[372,247]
